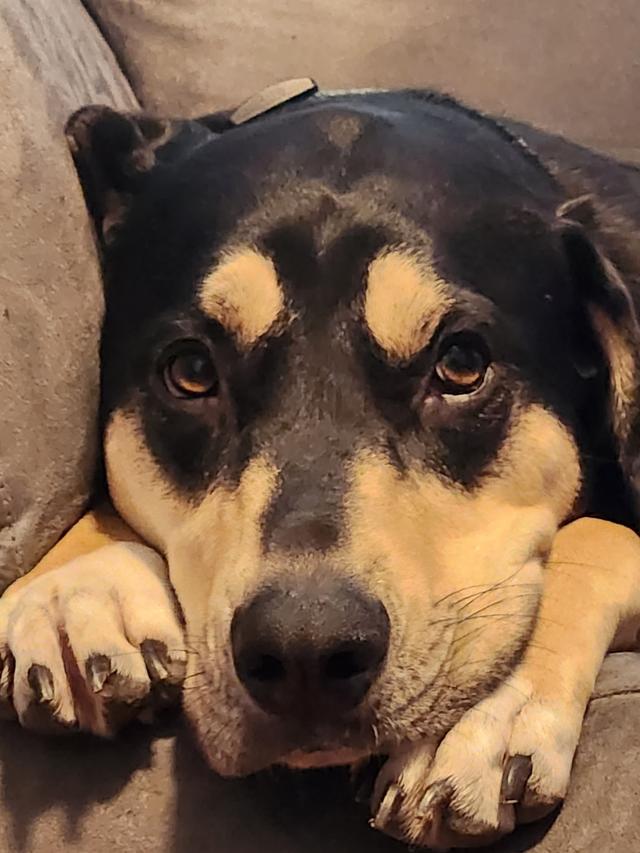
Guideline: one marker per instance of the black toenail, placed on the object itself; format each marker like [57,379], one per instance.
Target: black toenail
[40,680]
[156,659]
[98,670]
[515,778]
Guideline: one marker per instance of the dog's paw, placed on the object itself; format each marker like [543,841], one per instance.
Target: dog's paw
[92,644]
[508,760]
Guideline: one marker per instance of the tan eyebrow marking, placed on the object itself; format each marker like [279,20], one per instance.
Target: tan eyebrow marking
[243,294]
[404,301]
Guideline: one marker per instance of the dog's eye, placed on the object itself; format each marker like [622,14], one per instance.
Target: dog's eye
[191,373]
[462,367]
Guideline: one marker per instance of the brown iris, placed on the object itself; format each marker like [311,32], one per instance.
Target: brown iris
[461,368]
[190,372]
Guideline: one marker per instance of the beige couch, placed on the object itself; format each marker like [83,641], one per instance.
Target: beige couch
[571,67]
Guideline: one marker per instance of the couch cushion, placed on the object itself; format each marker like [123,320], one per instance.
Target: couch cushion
[52,60]
[569,67]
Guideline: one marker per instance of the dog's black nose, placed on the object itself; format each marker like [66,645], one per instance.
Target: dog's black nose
[310,649]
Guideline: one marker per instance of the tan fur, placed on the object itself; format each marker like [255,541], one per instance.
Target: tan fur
[622,370]
[404,302]
[141,496]
[243,294]
[595,565]
[591,586]
[221,535]
[427,539]
[216,554]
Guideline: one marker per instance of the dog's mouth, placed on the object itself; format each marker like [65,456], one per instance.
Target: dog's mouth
[308,744]
[249,741]
[307,759]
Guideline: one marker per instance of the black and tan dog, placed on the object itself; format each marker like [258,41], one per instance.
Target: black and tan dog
[364,356]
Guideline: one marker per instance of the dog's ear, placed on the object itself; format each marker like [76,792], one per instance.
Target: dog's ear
[600,279]
[115,154]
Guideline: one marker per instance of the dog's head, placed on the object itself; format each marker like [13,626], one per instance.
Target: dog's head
[358,358]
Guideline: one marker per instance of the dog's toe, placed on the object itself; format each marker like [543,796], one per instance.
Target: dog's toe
[166,669]
[547,732]
[436,804]
[40,692]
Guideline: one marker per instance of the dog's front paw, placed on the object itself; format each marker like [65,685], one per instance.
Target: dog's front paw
[507,760]
[92,644]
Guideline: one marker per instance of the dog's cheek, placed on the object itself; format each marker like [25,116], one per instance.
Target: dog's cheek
[213,551]
[143,496]
[216,541]
[215,556]
[460,571]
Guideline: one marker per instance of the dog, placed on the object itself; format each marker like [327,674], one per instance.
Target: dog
[370,403]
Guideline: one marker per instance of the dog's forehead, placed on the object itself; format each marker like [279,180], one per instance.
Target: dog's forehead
[426,151]
[312,196]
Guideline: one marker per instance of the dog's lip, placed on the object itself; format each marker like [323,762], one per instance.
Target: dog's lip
[304,759]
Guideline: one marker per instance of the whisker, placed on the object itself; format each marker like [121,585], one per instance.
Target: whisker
[193,675]
[481,586]
[499,617]
[137,652]
[467,601]
[578,563]
[547,621]
[534,645]
[477,586]
[505,600]
[458,617]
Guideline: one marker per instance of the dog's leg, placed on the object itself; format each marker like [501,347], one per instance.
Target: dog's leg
[91,637]
[509,758]
[100,527]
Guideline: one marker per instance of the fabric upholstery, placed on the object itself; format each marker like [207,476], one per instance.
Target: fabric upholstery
[52,60]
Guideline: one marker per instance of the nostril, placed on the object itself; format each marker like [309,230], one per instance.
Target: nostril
[350,663]
[264,668]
